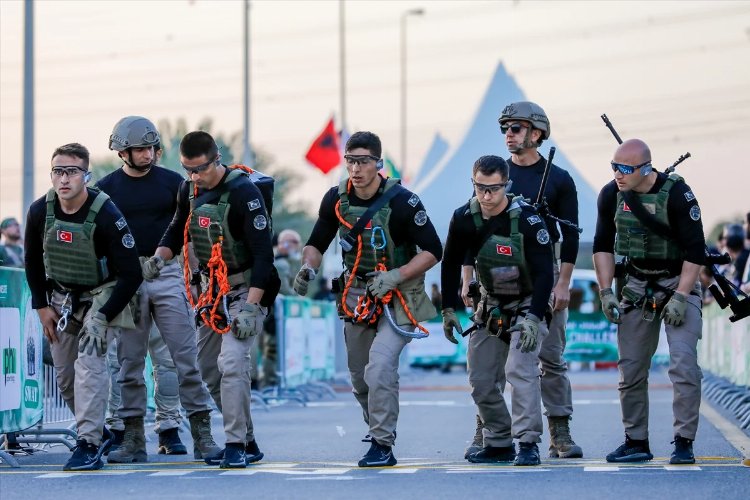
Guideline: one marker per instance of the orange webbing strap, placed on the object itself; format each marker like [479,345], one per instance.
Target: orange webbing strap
[207,304]
[368,308]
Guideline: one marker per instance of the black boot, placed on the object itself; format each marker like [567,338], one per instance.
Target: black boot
[234,457]
[477,441]
[170,444]
[86,456]
[252,452]
[632,450]
[378,456]
[493,455]
[528,454]
[683,451]
[115,442]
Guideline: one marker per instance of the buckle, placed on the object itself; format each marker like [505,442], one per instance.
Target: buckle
[347,242]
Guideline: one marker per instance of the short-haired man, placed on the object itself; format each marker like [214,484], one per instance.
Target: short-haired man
[388,258]
[11,244]
[228,225]
[82,268]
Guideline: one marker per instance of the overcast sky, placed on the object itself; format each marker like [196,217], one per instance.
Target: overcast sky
[676,74]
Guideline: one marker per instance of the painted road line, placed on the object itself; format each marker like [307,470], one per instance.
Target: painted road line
[57,475]
[239,472]
[404,470]
[731,432]
[601,469]
[170,473]
[682,467]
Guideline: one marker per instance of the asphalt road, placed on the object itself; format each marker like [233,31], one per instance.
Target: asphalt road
[312,452]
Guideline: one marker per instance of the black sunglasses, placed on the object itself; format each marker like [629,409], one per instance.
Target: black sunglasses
[515,128]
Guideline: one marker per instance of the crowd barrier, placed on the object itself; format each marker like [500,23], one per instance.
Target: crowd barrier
[724,349]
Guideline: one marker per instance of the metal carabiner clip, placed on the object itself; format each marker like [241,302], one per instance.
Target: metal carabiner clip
[406,333]
[65,311]
[373,243]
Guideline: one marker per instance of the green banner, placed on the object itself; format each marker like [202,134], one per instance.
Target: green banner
[590,337]
[21,387]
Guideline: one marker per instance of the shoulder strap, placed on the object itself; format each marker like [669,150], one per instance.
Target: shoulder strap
[234,178]
[99,201]
[49,218]
[348,241]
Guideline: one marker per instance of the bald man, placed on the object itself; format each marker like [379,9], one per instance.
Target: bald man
[654,220]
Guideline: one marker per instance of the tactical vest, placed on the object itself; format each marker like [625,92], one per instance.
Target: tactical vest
[209,221]
[69,253]
[379,224]
[635,240]
[500,263]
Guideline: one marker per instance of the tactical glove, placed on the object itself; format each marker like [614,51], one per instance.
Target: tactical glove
[529,329]
[674,312]
[610,305]
[249,322]
[382,282]
[94,335]
[450,321]
[302,281]
[152,267]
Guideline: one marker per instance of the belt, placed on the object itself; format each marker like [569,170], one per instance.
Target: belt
[649,274]
[236,279]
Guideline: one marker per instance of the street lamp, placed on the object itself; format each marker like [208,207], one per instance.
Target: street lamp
[404,16]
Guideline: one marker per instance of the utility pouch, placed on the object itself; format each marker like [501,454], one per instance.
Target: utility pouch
[101,295]
[506,280]
[649,306]
[417,301]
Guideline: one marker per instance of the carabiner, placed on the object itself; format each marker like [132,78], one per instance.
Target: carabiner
[65,311]
[406,333]
[373,243]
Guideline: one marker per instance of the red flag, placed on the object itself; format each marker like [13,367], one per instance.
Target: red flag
[504,250]
[64,236]
[324,152]
[204,221]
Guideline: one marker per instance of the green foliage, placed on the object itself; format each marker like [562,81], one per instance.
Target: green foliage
[286,215]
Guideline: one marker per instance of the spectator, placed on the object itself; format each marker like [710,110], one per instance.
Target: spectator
[734,243]
[11,245]
[324,291]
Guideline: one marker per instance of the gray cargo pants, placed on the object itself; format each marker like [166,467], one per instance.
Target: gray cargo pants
[492,362]
[161,301]
[372,356]
[225,363]
[637,340]
[83,379]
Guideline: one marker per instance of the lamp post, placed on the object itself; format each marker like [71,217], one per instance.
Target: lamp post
[247,155]
[404,17]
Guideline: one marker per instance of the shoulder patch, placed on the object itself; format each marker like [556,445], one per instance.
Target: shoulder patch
[128,241]
[695,212]
[259,222]
[413,200]
[534,219]
[420,218]
[253,205]
[689,196]
[120,223]
[542,236]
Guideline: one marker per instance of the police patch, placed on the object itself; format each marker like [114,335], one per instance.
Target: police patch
[121,223]
[420,218]
[534,219]
[259,222]
[413,200]
[128,241]
[542,236]
[695,212]
[689,196]
[253,205]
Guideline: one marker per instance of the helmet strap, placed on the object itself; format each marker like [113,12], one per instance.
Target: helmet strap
[129,162]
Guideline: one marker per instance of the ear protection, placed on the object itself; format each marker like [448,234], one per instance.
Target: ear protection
[86,177]
[646,169]
[379,164]
[508,186]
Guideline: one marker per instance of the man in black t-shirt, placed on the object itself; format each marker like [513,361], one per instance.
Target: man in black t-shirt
[147,195]
[387,260]
[653,219]
[82,268]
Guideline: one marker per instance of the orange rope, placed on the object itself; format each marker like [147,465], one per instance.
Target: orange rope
[368,307]
[217,275]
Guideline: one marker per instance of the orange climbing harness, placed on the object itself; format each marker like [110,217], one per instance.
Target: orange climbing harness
[218,286]
[369,308]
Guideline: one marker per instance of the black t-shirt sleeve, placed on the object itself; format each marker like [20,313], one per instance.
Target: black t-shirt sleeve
[174,235]
[327,224]
[460,234]
[538,252]
[122,258]
[410,223]
[567,209]
[604,237]
[253,228]
[684,216]
[34,254]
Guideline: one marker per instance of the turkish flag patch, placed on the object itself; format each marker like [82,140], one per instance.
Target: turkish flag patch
[504,250]
[625,207]
[204,221]
[64,236]
[368,225]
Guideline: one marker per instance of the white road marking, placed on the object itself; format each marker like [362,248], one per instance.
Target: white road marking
[682,467]
[601,469]
[404,470]
[171,473]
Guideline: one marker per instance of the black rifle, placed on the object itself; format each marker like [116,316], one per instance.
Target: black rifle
[541,202]
[726,293]
[475,295]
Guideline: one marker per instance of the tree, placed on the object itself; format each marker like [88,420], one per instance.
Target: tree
[286,215]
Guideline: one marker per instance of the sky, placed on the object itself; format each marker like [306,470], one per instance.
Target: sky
[675,74]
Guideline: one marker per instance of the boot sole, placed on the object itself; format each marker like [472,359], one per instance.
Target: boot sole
[635,457]
[471,450]
[673,461]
